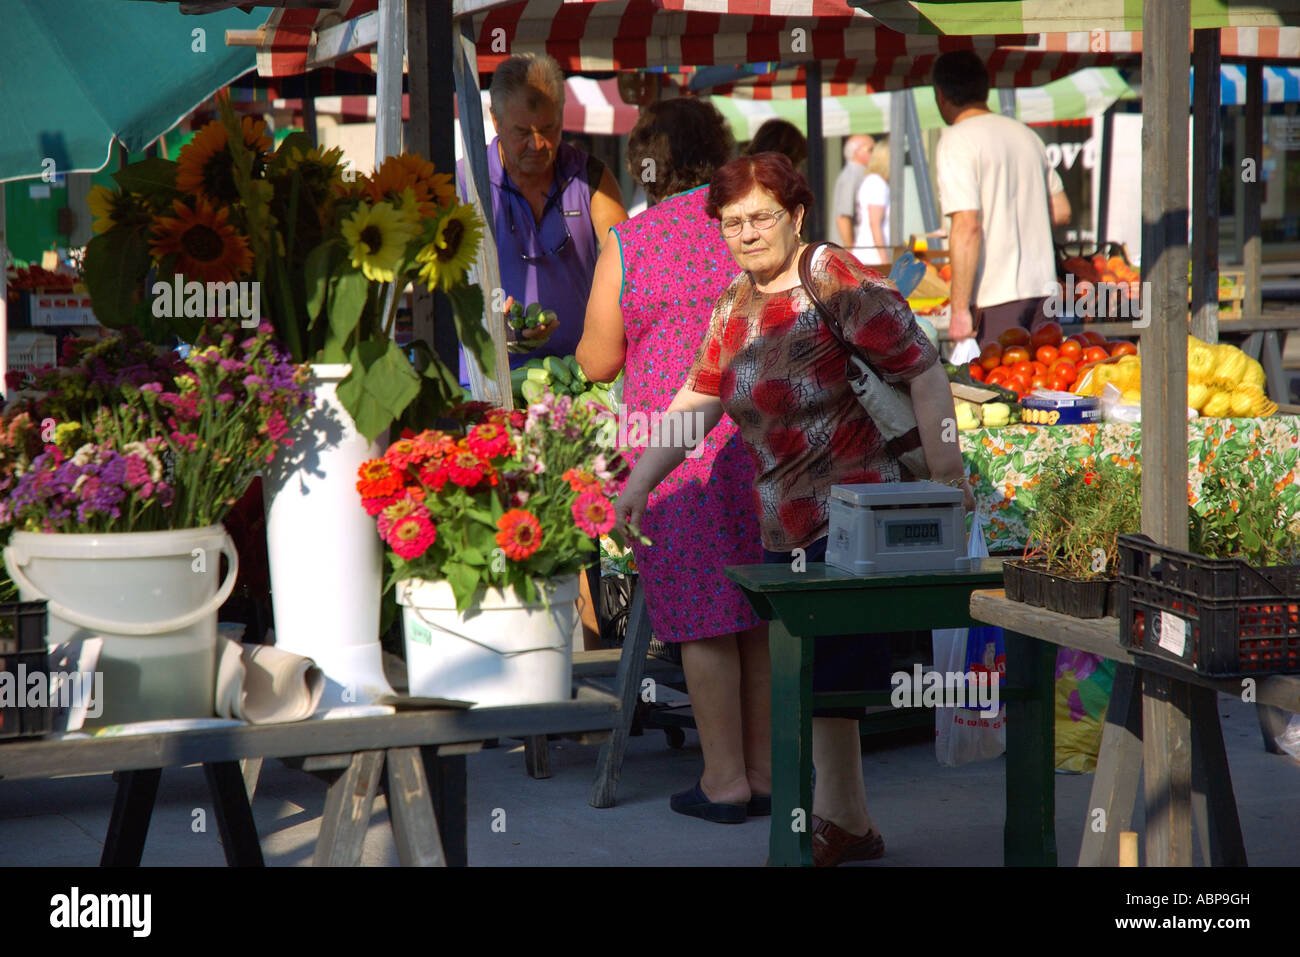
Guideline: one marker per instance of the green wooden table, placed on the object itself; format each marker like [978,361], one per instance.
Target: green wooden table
[826,601]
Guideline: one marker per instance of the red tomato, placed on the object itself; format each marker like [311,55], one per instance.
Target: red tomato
[1094,354]
[1057,384]
[1014,337]
[1018,382]
[1039,382]
[1025,369]
[977,371]
[1048,334]
[1047,354]
[1015,354]
[1094,339]
[1123,349]
[991,357]
[1071,349]
[998,376]
[1064,370]
[1040,368]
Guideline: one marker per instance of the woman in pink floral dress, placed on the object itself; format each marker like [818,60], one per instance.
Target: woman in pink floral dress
[651,299]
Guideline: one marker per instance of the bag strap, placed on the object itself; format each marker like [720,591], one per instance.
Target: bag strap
[912,438]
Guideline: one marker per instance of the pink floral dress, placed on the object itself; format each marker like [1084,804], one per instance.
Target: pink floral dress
[703,516]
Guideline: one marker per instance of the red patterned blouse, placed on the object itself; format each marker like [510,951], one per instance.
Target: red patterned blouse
[780,374]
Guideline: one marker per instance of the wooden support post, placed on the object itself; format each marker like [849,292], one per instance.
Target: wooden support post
[1103,175]
[1252,244]
[1213,803]
[429,51]
[1029,835]
[537,756]
[447,779]
[132,811]
[234,816]
[347,811]
[790,835]
[816,163]
[1166,738]
[897,170]
[921,166]
[1119,765]
[627,685]
[1205,186]
[410,809]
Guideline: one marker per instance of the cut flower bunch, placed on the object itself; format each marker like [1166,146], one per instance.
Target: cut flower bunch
[503,500]
[331,253]
[128,439]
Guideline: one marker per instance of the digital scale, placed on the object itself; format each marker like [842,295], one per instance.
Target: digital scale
[884,527]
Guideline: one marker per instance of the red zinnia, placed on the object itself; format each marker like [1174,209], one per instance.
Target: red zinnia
[593,513]
[489,441]
[378,479]
[467,470]
[520,535]
[580,480]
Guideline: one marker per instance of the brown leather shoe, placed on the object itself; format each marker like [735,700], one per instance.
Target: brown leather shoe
[832,845]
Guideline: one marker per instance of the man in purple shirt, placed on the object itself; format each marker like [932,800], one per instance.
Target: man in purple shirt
[552,204]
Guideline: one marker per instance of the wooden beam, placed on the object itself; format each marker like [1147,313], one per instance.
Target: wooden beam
[897,171]
[1205,186]
[1252,242]
[344,39]
[816,164]
[1166,702]
[1103,175]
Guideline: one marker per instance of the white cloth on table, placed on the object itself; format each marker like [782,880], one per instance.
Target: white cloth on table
[262,684]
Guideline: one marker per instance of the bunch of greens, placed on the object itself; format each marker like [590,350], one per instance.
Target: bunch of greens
[1080,512]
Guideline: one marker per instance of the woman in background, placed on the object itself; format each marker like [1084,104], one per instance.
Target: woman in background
[873,210]
[780,136]
[651,298]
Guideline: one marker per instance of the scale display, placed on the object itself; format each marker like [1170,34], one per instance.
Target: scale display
[913,533]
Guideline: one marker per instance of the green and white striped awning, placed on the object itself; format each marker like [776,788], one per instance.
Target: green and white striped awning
[981,17]
[1078,96]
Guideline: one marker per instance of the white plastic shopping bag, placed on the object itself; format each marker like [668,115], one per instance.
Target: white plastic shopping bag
[977,729]
[968,350]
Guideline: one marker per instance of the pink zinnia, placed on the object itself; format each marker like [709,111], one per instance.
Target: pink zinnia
[489,441]
[412,536]
[401,508]
[401,454]
[593,514]
[374,506]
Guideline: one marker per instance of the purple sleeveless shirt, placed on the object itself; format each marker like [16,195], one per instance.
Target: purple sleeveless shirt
[551,262]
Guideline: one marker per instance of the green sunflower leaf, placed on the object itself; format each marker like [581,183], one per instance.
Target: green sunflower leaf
[316,274]
[380,386]
[152,177]
[467,311]
[347,300]
[115,265]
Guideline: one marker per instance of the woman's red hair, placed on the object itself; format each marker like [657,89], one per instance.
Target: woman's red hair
[772,171]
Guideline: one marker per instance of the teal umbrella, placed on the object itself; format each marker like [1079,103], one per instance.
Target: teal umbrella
[78,73]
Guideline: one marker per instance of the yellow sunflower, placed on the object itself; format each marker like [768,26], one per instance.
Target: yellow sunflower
[204,166]
[398,173]
[377,236]
[453,249]
[205,245]
[102,201]
[112,209]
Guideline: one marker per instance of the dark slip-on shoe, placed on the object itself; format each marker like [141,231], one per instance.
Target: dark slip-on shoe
[760,805]
[695,803]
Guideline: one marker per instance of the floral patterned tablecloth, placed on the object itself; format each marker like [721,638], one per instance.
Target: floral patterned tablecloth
[1003,464]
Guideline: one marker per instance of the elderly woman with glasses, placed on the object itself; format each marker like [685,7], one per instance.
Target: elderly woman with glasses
[770,363]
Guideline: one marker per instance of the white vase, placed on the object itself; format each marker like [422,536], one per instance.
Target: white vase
[501,651]
[326,558]
[153,599]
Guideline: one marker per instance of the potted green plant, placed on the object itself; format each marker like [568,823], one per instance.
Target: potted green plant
[1071,554]
[487,526]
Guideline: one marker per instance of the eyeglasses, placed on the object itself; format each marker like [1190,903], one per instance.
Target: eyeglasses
[763,221]
[532,246]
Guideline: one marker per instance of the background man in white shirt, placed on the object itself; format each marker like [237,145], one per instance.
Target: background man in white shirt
[998,187]
[857,151]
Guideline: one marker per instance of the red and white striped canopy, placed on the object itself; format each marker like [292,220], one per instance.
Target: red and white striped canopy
[600,35]
[1262,42]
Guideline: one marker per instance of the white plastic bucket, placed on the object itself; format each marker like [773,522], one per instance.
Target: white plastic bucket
[152,596]
[326,558]
[502,651]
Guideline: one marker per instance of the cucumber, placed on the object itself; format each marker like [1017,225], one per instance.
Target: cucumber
[539,375]
[532,391]
[547,317]
[559,372]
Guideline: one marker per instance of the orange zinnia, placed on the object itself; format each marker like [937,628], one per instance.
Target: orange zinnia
[520,535]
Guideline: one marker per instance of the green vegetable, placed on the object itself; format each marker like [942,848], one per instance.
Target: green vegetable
[532,391]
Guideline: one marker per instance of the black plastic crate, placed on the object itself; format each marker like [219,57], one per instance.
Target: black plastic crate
[1217,616]
[22,646]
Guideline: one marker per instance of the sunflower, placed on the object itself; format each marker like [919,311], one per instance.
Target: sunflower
[453,249]
[205,245]
[112,209]
[520,535]
[409,171]
[205,166]
[377,237]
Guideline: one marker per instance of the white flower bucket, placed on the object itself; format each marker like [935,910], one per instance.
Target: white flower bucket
[325,556]
[152,596]
[502,651]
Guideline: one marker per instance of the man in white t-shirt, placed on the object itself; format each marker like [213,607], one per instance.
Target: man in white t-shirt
[857,150]
[1003,196]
